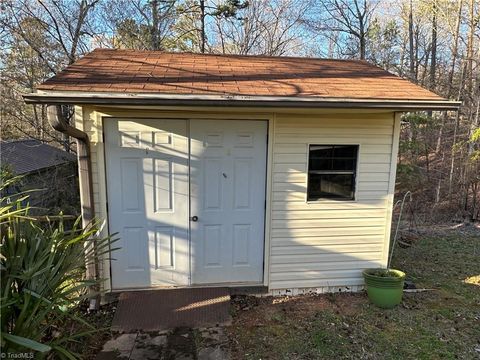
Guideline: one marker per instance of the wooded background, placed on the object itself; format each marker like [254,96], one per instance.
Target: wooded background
[434,43]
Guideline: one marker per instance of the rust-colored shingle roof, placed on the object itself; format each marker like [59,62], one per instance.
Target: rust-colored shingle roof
[128,71]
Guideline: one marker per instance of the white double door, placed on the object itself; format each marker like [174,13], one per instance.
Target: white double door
[187,201]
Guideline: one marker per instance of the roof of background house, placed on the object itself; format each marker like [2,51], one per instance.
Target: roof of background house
[25,156]
[128,71]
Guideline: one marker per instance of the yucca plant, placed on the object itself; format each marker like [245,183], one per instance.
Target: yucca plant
[43,279]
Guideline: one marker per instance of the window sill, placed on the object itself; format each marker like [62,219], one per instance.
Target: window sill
[332,201]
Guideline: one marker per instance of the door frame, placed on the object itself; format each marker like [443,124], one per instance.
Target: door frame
[127,114]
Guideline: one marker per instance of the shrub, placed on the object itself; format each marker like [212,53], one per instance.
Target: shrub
[43,279]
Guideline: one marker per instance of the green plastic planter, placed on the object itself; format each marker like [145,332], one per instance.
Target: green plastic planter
[384,287]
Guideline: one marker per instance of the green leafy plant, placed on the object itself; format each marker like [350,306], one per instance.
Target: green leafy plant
[43,279]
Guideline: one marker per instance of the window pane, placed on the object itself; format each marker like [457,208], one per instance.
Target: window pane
[321,163]
[332,171]
[321,157]
[333,157]
[345,151]
[344,164]
[321,151]
[330,186]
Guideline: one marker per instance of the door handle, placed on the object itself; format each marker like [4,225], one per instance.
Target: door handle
[194,218]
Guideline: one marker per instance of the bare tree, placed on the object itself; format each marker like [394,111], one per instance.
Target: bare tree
[451,73]
[472,23]
[433,61]
[41,37]
[264,29]
[351,17]
[411,39]
[65,22]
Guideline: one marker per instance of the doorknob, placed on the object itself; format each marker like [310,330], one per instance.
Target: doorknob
[195,218]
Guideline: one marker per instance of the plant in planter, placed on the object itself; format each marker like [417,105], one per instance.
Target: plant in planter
[385,286]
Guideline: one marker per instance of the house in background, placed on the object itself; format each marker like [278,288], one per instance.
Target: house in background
[238,170]
[50,171]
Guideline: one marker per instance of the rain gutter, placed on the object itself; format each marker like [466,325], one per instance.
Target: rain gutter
[104,98]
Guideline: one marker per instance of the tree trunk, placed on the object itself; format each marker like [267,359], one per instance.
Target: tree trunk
[455,131]
[411,43]
[451,73]
[416,49]
[403,51]
[202,25]
[432,52]
[362,32]
[452,162]
[424,79]
[469,74]
[438,191]
[82,16]
[455,48]
[155,38]
[433,61]
[362,46]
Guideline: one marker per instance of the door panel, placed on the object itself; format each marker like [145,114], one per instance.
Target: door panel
[131,191]
[135,260]
[228,166]
[147,182]
[212,185]
[164,245]
[241,244]
[242,191]
[212,233]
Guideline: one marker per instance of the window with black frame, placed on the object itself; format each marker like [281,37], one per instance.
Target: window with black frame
[331,172]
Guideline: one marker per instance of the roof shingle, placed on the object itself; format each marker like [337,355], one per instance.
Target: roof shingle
[107,70]
[25,156]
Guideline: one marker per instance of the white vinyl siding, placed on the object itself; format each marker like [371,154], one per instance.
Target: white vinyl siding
[327,243]
[323,244]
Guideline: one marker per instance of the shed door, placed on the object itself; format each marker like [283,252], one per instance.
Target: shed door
[147,182]
[228,167]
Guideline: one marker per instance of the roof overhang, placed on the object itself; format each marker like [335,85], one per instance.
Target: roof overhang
[158,99]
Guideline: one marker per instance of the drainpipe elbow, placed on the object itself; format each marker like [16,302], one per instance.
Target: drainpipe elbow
[58,122]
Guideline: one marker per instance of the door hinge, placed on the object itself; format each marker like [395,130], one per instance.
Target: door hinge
[103,136]
[106,204]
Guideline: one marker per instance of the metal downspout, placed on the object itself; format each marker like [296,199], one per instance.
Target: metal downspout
[58,122]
